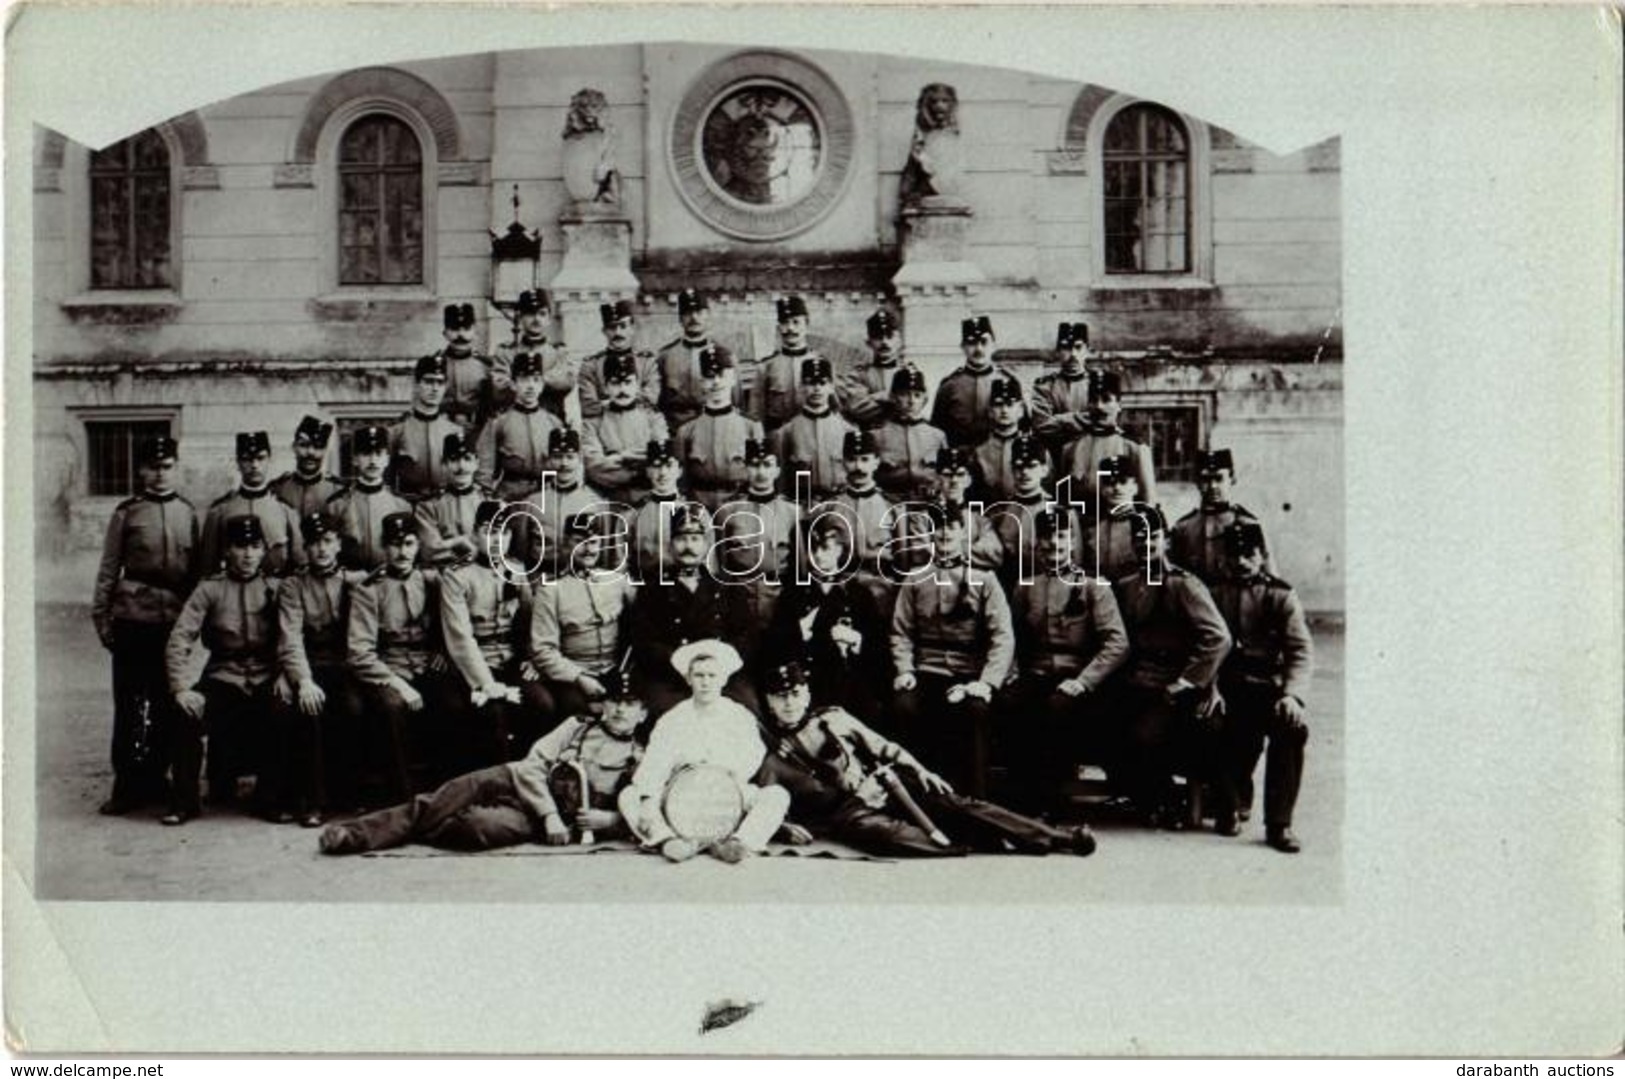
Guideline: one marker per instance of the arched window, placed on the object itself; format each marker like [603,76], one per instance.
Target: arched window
[1146,169]
[380,168]
[130,212]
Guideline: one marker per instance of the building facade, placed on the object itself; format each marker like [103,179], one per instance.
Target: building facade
[289,251]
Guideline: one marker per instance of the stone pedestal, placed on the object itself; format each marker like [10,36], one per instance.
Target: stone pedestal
[936,284]
[597,269]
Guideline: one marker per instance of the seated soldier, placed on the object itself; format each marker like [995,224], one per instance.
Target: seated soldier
[513,445]
[906,444]
[706,728]
[852,785]
[536,799]
[232,615]
[1263,686]
[578,627]
[1197,540]
[952,648]
[614,442]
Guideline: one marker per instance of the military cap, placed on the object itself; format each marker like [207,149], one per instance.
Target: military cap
[1025,449]
[816,369]
[458,316]
[563,440]
[1142,515]
[456,445]
[1004,391]
[688,300]
[725,654]
[858,443]
[1068,334]
[527,363]
[758,450]
[972,330]
[659,451]
[622,684]
[619,366]
[581,524]
[611,313]
[244,529]
[486,512]
[397,526]
[531,301]
[789,307]
[952,459]
[313,430]
[944,514]
[785,678]
[820,526]
[316,524]
[369,438]
[1116,466]
[1244,536]
[159,448]
[1105,382]
[908,379]
[881,323]
[1209,461]
[251,443]
[430,366]
[689,517]
[713,362]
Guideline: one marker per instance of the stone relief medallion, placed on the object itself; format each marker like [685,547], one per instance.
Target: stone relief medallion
[760,146]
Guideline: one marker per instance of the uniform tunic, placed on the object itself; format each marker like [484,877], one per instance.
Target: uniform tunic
[513,450]
[542,534]
[393,631]
[1271,634]
[235,619]
[607,760]
[813,443]
[480,615]
[774,386]
[865,393]
[621,431]
[1015,522]
[758,545]
[651,534]
[416,442]
[871,517]
[590,386]
[961,405]
[1081,460]
[1060,408]
[306,495]
[712,449]
[992,467]
[908,455]
[1068,626]
[313,622]
[1110,553]
[1175,631]
[448,515]
[578,625]
[361,511]
[284,549]
[668,616]
[682,396]
[953,629]
[558,372]
[477,387]
[1197,540]
[147,566]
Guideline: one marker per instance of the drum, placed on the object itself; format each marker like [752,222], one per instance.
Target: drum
[703,803]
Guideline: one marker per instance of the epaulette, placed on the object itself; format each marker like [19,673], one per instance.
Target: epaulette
[374,573]
[1051,377]
[284,478]
[343,484]
[133,500]
[1272,581]
[343,492]
[223,499]
[1242,511]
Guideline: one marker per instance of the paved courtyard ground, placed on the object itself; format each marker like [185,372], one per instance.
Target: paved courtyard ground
[230,857]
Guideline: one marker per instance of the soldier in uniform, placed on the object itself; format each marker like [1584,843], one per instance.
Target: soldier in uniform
[1069,640]
[578,627]
[712,445]
[952,649]
[308,487]
[870,516]
[1263,686]
[513,445]
[811,441]
[961,409]
[1102,438]
[148,568]
[682,395]
[278,524]
[618,320]
[1015,518]
[651,521]
[485,609]
[394,640]
[560,496]
[906,443]
[954,480]
[446,518]
[318,703]
[477,386]
[1197,541]
[1110,551]
[558,370]
[771,382]
[691,606]
[865,392]
[613,442]
[1061,398]
[361,509]
[757,538]
[1177,640]
[417,438]
[233,614]
[834,766]
[991,465]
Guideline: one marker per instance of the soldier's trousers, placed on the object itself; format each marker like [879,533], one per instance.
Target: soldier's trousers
[143,711]
[954,740]
[1154,739]
[1047,734]
[237,721]
[1249,721]
[402,744]
[318,758]
[475,736]
[476,811]
[971,823]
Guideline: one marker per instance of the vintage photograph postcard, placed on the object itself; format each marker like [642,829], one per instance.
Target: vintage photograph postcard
[814,520]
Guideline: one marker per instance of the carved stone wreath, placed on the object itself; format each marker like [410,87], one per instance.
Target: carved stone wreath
[761,146]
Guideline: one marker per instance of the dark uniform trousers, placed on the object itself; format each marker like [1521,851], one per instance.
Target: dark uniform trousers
[1248,720]
[1156,738]
[237,721]
[954,740]
[143,711]
[318,759]
[405,745]
[1047,735]
[475,811]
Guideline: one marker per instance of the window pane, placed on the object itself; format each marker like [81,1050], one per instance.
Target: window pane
[360,143]
[112,447]
[1172,432]
[1145,192]
[381,204]
[130,214]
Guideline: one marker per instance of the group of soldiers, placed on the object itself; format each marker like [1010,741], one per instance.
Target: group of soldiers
[521,568]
